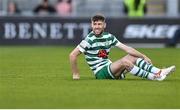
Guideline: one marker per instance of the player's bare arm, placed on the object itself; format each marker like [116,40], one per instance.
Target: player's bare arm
[73,61]
[133,52]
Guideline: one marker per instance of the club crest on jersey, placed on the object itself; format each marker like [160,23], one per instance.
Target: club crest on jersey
[102,54]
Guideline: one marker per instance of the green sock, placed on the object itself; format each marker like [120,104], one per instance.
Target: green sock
[145,66]
[142,73]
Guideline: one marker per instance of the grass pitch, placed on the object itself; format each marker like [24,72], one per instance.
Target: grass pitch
[40,77]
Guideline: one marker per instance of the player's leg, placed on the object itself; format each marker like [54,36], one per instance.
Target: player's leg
[146,66]
[122,64]
[150,68]
[128,63]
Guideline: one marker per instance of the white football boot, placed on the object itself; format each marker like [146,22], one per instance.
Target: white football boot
[159,76]
[164,72]
[169,70]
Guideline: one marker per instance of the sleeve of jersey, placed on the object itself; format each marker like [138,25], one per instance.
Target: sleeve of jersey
[83,46]
[116,42]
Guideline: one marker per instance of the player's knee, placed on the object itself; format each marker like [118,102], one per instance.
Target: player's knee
[125,62]
[130,58]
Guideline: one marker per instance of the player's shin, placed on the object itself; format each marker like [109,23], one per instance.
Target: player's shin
[145,66]
[142,73]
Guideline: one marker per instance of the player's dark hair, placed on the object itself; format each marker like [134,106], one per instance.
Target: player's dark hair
[98,17]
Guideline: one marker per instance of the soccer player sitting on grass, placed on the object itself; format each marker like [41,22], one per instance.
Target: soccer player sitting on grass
[96,47]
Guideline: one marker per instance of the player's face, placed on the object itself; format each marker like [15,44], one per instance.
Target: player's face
[98,26]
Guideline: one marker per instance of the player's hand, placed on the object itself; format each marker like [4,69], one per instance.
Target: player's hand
[76,76]
[148,60]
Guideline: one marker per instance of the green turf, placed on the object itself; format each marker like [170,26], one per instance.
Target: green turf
[40,77]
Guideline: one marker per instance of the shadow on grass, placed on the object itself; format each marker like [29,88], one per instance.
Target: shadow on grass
[87,78]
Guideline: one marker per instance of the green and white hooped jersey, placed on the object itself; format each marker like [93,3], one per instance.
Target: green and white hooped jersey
[96,49]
